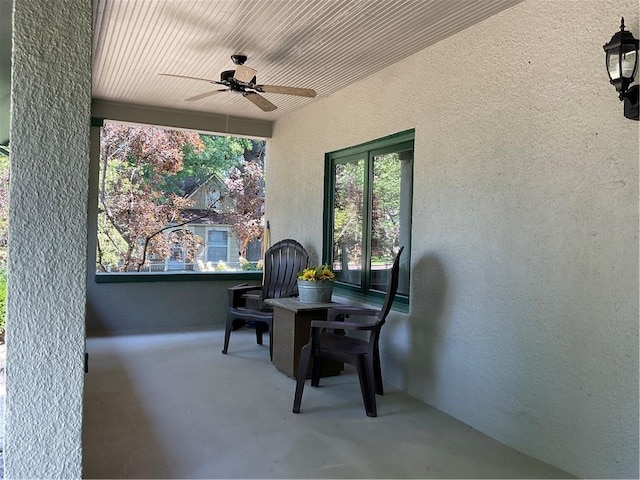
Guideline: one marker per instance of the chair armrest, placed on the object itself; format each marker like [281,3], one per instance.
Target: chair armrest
[343,325]
[238,294]
[253,296]
[335,312]
[244,288]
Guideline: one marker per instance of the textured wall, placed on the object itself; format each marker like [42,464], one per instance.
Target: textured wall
[48,238]
[524,308]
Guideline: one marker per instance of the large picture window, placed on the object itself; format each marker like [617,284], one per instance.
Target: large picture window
[367,217]
[172,201]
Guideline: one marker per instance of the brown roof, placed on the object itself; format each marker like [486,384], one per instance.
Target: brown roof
[202,216]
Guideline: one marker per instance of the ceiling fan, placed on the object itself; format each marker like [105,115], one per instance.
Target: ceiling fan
[243,80]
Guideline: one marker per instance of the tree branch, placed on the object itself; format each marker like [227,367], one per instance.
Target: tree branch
[149,238]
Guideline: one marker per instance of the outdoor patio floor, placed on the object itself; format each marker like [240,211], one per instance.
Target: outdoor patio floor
[170,405]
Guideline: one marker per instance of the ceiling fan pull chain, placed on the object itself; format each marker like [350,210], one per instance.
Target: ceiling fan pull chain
[226,128]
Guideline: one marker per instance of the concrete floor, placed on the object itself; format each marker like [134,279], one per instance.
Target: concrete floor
[172,406]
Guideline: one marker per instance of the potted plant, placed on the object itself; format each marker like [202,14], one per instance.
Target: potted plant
[315,284]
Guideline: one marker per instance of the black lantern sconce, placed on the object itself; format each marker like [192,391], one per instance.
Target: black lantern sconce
[622,65]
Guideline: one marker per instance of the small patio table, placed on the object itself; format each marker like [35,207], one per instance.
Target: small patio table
[291,331]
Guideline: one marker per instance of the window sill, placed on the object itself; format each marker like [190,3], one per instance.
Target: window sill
[400,304]
[138,277]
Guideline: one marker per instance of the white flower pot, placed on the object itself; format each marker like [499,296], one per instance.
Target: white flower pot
[315,292]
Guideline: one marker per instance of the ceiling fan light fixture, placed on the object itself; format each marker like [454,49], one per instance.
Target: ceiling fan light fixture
[227,75]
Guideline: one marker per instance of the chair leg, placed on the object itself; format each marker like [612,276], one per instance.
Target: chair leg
[259,329]
[377,373]
[301,376]
[227,334]
[271,344]
[270,332]
[366,386]
[372,383]
[315,371]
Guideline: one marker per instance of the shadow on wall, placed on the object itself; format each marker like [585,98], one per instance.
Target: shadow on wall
[315,258]
[424,327]
[94,323]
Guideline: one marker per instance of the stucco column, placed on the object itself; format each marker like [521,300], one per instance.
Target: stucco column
[51,99]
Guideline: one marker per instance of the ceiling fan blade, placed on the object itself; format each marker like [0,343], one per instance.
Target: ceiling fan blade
[203,95]
[184,76]
[261,102]
[301,92]
[244,74]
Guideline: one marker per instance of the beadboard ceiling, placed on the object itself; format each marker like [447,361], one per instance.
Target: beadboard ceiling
[325,45]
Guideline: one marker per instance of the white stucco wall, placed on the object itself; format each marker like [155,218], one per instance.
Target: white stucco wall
[51,98]
[524,305]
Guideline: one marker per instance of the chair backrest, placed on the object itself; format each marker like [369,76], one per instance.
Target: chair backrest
[392,288]
[282,263]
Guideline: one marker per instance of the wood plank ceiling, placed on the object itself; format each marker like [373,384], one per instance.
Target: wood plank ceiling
[321,44]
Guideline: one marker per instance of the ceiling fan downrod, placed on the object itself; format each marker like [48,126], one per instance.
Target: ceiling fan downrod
[238,59]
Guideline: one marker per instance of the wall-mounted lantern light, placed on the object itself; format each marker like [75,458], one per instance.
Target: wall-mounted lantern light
[622,65]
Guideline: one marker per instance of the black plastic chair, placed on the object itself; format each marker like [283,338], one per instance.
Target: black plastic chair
[282,263]
[330,340]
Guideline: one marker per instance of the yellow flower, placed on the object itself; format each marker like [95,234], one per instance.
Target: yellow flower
[317,274]
[327,274]
[308,274]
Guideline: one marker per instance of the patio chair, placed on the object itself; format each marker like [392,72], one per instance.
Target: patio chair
[282,263]
[330,340]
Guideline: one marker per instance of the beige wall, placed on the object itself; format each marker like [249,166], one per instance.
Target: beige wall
[524,307]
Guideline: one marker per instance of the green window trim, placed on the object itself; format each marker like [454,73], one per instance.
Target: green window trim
[139,277]
[400,303]
[366,152]
[167,267]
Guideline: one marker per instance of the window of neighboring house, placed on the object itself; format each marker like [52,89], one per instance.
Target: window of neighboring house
[212,198]
[367,215]
[217,246]
[176,201]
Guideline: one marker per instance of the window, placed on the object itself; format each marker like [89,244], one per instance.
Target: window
[217,246]
[177,201]
[212,198]
[367,217]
